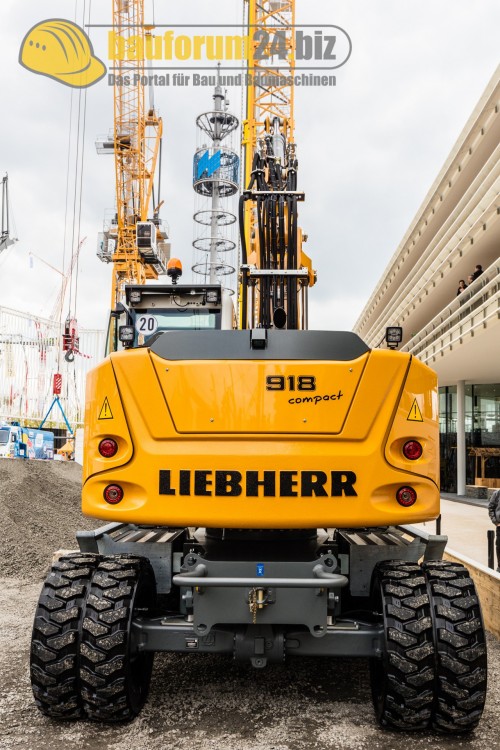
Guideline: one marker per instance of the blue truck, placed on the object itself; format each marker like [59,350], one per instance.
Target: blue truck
[25,442]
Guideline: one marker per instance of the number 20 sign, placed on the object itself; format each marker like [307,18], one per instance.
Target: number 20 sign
[146,324]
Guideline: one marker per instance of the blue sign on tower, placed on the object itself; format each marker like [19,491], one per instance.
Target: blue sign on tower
[207,163]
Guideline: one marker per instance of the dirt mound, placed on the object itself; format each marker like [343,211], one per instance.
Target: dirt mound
[39,511]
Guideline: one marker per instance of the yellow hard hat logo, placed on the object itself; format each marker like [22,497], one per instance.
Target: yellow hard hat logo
[61,50]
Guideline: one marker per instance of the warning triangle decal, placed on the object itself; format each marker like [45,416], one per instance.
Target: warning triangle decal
[106,412]
[415,414]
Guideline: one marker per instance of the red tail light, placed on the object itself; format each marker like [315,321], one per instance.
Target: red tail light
[406,496]
[113,494]
[412,450]
[108,448]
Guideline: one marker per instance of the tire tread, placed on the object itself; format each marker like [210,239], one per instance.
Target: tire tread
[402,682]
[109,691]
[461,660]
[56,636]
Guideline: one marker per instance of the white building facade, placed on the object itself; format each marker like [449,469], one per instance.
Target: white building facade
[456,229]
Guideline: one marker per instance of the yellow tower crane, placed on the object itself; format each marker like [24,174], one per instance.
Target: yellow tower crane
[133,241]
[276,272]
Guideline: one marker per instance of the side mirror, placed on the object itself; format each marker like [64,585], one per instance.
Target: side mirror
[119,310]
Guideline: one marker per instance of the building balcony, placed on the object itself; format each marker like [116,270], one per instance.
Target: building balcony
[453,230]
[463,337]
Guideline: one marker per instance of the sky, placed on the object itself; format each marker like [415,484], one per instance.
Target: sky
[369,148]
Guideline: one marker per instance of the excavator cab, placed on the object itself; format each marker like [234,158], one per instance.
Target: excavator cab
[150,310]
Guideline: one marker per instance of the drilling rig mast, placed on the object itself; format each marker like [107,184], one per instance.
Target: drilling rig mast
[276,273]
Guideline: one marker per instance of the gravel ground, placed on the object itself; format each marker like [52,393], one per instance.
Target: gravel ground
[40,512]
[196,702]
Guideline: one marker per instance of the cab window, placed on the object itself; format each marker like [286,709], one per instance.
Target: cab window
[147,323]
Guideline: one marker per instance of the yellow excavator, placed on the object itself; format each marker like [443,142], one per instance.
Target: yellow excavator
[260,487]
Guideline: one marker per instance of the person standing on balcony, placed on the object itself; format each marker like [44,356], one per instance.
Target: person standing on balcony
[494,511]
[477,273]
[462,286]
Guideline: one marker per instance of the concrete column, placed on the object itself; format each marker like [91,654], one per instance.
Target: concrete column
[461,437]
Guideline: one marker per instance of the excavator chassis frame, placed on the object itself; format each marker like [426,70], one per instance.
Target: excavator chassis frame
[384,594]
[216,593]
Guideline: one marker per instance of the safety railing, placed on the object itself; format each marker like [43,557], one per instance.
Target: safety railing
[467,312]
[478,209]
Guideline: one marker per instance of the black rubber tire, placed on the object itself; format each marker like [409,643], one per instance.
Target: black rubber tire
[56,636]
[114,676]
[460,647]
[402,681]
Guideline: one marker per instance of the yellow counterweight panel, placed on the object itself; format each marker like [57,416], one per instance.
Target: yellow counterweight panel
[259,397]
[217,475]
[416,419]
[373,505]
[104,418]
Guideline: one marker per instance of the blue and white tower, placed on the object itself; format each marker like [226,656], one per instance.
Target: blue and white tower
[215,181]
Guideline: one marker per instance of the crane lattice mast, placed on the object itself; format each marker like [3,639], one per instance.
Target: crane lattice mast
[134,242]
[5,239]
[265,103]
